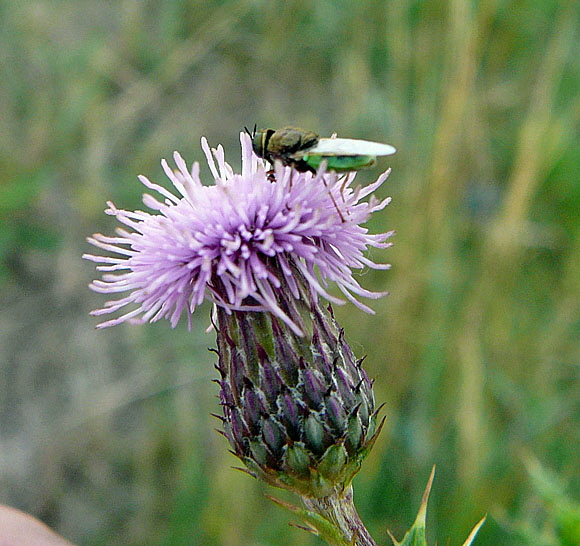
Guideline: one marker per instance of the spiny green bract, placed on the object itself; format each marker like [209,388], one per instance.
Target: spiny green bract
[298,412]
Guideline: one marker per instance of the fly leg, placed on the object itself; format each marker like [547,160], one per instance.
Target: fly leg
[333,200]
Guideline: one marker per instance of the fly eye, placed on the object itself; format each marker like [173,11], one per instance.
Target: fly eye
[258,141]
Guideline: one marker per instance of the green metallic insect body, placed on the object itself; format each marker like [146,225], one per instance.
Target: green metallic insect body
[305,150]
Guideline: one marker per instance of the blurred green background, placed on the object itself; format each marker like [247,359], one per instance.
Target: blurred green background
[107,435]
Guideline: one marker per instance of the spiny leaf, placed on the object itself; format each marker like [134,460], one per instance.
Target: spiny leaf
[415,536]
[474,532]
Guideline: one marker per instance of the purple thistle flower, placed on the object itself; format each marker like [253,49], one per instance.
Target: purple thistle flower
[238,241]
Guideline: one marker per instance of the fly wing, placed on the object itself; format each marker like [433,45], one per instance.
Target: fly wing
[348,146]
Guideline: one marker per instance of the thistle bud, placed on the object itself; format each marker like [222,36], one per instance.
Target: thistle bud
[298,410]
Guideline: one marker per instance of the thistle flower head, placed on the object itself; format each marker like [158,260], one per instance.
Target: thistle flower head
[235,242]
[298,411]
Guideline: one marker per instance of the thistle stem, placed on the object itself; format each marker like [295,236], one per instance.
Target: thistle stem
[340,511]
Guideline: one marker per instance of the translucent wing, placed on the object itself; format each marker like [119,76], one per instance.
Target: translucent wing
[348,146]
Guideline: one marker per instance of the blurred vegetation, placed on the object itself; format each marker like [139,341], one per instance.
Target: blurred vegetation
[551,517]
[107,435]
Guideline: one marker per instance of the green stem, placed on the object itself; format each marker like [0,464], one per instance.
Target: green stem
[340,512]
